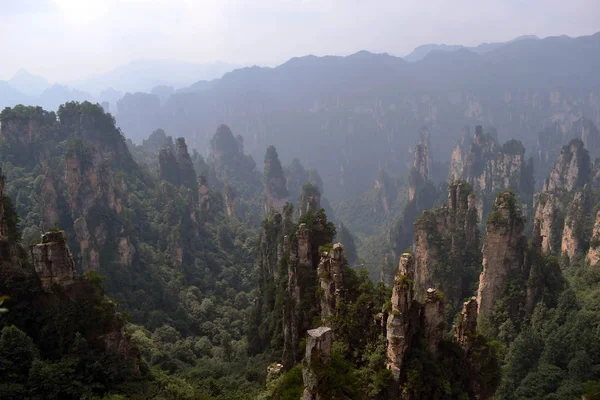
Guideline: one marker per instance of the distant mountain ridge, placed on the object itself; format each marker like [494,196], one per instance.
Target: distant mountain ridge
[376,104]
[422,51]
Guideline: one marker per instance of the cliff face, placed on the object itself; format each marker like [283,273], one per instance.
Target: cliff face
[504,250]
[276,193]
[310,199]
[571,170]
[567,199]
[593,255]
[318,353]
[52,260]
[302,281]
[445,246]
[331,279]
[489,167]
[403,317]
[419,175]
[466,330]
[421,326]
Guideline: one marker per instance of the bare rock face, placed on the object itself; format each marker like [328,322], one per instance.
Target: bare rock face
[564,202]
[52,260]
[593,255]
[503,250]
[549,222]
[300,265]
[572,242]
[399,329]
[433,319]
[466,330]
[489,168]
[331,279]
[572,169]
[441,237]
[420,172]
[318,353]
[230,201]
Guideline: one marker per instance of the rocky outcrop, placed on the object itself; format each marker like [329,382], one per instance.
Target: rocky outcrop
[419,175]
[572,169]
[593,255]
[402,318]
[318,354]
[566,200]
[504,250]
[275,191]
[445,246]
[310,199]
[433,319]
[331,279]
[465,330]
[489,168]
[549,222]
[52,260]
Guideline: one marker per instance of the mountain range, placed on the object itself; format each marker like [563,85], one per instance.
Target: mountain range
[378,104]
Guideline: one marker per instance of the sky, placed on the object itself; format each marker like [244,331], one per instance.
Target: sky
[65,40]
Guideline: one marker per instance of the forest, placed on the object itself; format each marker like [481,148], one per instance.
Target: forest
[149,271]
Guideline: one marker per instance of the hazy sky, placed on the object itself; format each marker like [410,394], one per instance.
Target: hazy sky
[71,39]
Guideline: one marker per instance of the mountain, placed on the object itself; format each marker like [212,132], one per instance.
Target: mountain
[421,51]
[29,84]
[143,75]
[376,104]
[10,96]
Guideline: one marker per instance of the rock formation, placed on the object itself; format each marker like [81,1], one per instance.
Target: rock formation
[276,194]
[419,175]
[489,167]
[310,199]
[504,250]
[318,353]
[52,260]
[465,330]
[302,267]
[566,200]
[175,164]
[403,316]
[433,319]
[446,242]
[331,279]
[593,255]
[572,168]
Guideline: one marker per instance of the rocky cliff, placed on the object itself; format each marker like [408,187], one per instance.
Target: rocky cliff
[52,260]
[419,175]
[403,318]
[489,167]
[504,250]
[566,203]
[331,280]
[318,353]
[415,330]
[593,255]
[275,191]
[446,245]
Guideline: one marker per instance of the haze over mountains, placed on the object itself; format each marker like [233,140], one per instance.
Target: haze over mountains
[137,76]
[376,104]
[362,102]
